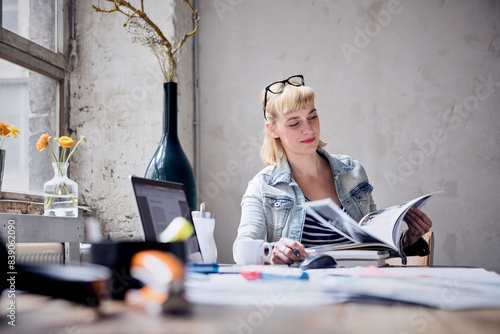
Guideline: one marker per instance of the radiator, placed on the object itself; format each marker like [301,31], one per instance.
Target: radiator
[40,253]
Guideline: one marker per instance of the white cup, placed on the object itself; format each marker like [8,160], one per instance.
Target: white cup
[252,251]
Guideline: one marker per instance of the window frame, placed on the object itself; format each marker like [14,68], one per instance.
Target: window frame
[34,57]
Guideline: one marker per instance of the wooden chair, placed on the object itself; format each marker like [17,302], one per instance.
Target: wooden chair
[415,261]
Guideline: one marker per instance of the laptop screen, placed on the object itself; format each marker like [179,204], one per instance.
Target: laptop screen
[159,202]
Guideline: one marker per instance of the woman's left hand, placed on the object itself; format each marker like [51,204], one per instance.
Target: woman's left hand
[418,224]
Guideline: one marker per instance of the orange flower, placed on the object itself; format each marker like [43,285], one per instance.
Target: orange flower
[43,142]
[65,141]
[4,129]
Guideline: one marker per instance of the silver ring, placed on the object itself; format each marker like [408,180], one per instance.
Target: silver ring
[283,249]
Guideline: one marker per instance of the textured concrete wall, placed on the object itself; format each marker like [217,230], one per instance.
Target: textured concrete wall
[117,102]
[409,88]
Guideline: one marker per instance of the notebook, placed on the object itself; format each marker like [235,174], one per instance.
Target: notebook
[158,203]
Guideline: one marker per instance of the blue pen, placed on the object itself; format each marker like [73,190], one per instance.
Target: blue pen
[212,268]
[204,268]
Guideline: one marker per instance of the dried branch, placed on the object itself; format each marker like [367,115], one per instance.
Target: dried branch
[148,33]
[185,37]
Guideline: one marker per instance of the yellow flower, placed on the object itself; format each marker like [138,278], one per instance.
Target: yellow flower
[42,142]
[14,131]
[65,141]
[7,130]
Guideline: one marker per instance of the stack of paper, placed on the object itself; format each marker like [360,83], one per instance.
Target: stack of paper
[442,288]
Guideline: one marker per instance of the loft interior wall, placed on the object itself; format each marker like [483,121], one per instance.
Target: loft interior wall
[409,88]
[116,100]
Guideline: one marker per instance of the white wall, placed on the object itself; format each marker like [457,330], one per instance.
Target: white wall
[117,102]
[395,103]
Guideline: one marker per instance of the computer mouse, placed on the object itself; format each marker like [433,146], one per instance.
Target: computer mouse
[320,261]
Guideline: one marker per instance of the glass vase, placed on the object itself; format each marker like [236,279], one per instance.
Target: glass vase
[60,193]
[170,163]
[2,165]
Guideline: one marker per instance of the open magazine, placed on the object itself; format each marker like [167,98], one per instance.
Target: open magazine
[376,230]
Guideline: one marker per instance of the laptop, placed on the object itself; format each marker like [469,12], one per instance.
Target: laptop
[159,202]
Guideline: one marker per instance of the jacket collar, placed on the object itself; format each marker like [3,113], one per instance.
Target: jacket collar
[283,173]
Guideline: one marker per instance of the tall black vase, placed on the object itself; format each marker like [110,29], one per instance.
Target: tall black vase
[169,162]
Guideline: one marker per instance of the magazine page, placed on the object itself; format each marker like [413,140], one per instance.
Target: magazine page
[331,216]
[385,224]
[382,223]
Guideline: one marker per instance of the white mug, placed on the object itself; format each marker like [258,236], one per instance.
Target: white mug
[252,252]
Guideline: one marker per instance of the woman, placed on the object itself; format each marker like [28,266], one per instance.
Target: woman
[301,170]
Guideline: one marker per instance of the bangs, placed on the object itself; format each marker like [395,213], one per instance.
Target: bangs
[291,99]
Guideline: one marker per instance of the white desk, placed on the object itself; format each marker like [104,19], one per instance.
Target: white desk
[38,314]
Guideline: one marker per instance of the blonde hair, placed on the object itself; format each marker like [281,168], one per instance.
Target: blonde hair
[292,98]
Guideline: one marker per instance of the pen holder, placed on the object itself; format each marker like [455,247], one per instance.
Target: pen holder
[204,225]
[117,256]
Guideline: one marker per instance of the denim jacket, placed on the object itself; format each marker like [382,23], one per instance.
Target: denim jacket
[272,204]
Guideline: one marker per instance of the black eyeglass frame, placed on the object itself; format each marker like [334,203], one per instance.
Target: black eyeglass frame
[283,83]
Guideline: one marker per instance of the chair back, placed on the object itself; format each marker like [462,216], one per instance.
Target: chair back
[416,261]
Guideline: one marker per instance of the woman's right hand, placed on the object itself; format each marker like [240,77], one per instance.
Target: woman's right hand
[285,251]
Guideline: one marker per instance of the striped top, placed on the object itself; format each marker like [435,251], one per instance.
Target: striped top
[315,234]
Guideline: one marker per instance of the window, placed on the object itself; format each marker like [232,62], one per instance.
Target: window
[33,86]
[33,20]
